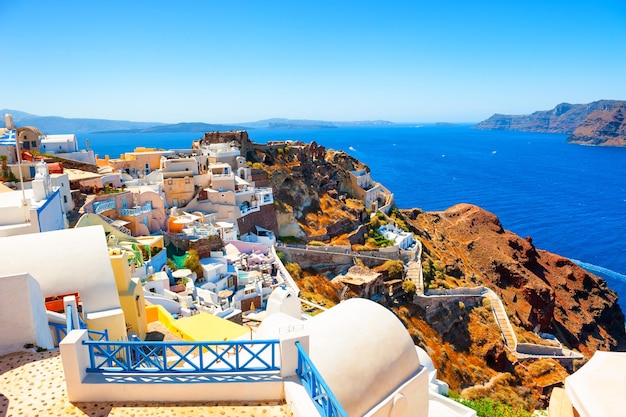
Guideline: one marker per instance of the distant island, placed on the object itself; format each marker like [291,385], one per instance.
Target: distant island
[57,124]
[598,123]
[175,128]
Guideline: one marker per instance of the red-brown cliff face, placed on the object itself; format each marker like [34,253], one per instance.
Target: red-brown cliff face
[598,123]
[312,189]
[605,127]
[463,246]
[546,292]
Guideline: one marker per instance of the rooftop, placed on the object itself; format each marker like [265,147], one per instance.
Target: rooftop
[32,383]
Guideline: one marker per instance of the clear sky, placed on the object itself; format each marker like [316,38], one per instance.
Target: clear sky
[238,61]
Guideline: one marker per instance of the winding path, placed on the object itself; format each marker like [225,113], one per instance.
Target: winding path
[414,272]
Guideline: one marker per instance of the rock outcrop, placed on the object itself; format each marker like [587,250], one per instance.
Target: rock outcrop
[602,127]
[312,188]
[463,246]
[543,291]
[597,123]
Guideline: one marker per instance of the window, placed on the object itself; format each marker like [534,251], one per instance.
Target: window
[26,145]
[65,199]
[33,143]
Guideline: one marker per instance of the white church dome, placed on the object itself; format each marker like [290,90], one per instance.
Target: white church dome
[363,352]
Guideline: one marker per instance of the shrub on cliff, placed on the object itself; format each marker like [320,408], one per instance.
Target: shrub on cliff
[394,269]
[409,287]
[294,270]
[192,261]
[486,407]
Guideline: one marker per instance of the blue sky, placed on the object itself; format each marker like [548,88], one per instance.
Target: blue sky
[238,61]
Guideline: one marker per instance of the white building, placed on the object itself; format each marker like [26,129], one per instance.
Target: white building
[401,238]
[61,262]
[374,195]
[39,209]
[66,146]
[59,144]
[367,359]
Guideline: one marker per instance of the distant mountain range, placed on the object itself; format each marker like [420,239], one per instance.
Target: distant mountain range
[56,124]
[597,123]
[311,124]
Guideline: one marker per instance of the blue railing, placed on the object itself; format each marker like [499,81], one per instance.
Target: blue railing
[61,330]
[325,401]
[137,211]
[101,206]
[188,357]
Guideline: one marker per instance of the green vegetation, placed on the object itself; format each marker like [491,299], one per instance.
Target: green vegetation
[409,287]
[6,174]
[398,219]
[486,407]
[109,189]
[433,274]
[171,265]
[374,238]
[294,270]
[289,239]
[393,268]
[192,262]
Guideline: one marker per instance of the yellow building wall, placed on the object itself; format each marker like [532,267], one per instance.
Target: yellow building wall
[179,189]
[134,306]
[131,294]
[198,328]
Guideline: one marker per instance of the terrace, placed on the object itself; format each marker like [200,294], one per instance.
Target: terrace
[137,210]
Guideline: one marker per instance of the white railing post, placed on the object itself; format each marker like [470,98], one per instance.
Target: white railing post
[69,303]
[289,351]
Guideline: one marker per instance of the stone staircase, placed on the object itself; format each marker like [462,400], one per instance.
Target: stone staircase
[121,228]
[414,273]
[503,320]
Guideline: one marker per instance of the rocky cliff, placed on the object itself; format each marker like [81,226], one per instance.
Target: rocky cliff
[544,292]
[463,246]
[596,123]
[602,127]
[312,189]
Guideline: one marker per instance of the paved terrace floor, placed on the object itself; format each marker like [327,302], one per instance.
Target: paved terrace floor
[33,384]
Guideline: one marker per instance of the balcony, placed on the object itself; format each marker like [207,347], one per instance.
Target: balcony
[102,206]
[264,195]
[137,210]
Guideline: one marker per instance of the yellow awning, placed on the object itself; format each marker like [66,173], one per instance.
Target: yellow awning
[207,327]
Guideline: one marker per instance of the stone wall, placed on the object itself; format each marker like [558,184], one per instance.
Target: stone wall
[265,218]
[205,246]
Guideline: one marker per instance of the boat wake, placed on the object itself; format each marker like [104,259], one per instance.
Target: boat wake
[596,269]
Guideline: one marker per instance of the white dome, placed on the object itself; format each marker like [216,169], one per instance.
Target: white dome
[425,359]
[363,352]
[284,300]
[271,326]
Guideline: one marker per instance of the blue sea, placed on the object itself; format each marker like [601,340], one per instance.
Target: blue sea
[570,199]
